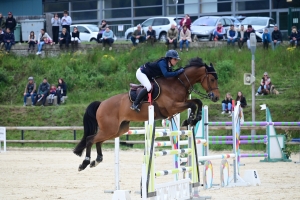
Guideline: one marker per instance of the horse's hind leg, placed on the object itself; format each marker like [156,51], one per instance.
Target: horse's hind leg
[87,160]
[99,155]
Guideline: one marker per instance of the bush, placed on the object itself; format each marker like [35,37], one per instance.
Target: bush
[225,70]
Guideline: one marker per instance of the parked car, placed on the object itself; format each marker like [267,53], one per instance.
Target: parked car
[236,22]
[202,28]
[161,25]
[259,24]
[88,32]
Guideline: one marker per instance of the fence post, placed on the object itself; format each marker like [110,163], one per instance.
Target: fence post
[74,133]
[22,136]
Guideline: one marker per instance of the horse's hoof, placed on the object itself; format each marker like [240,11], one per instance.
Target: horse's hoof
[93,164]
[84,164]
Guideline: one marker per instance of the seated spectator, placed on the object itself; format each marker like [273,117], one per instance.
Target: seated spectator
[219,32]
[9,40]
[52,94]
[186,21]
[30,91]
[241,37]
[1,39]
[43,38]
[61,90]
[102,28]
[231,35]
[227,104]
[276,37]
[75,39]
[265,85]
[293,37]
[31,41]
[240,97]
[42,92]
[64,38]
[107,38]
[248,33]
[151,35]
[138,36]
[266,39]
[185,38]
[172,36]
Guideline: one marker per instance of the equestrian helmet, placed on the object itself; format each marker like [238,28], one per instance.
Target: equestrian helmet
[172,54]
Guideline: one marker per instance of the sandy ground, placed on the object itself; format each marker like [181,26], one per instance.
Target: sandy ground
[52,174]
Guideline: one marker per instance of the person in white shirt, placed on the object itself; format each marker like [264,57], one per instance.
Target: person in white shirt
[55,21]
[66,21]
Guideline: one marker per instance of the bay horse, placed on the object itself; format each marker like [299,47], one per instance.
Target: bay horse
[110,118]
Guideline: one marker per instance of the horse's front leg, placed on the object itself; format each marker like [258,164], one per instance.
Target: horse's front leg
[199,111]
[87,160]
[192,105]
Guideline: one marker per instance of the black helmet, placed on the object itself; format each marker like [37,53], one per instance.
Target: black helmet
[172,54]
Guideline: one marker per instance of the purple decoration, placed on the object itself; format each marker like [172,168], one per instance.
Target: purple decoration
[256,123]
[254,155]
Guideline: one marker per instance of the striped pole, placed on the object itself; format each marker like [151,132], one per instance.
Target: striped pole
[215,157]
[172,133]
[140,132]
[241,137]
[182,142]
[245,155]
[172,152]
[240,142]
[173,171]
[255,123]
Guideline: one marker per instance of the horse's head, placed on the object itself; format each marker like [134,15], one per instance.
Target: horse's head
[210,83]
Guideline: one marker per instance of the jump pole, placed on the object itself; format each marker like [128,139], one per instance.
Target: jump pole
[3,139]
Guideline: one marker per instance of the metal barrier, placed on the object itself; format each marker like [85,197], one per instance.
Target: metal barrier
[119,30]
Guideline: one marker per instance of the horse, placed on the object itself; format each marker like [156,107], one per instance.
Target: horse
[110,118]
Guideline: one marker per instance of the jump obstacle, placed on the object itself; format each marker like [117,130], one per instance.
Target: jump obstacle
[3,138]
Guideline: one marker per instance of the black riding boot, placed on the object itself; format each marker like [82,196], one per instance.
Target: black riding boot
[139,98]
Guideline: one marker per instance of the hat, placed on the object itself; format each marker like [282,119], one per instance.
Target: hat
[219,23]
[9,13]
[266,73]
[249,26]
[276,25]
[30,78]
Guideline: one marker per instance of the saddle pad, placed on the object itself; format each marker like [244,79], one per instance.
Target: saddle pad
[154,93]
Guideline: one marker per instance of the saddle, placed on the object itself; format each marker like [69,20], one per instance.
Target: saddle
[136,88]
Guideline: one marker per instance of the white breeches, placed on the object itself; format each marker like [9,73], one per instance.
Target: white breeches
[143,79]
[74,39]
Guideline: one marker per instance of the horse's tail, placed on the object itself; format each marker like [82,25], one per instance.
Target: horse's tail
[90,126]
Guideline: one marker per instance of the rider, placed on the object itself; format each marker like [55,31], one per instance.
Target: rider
[161,67]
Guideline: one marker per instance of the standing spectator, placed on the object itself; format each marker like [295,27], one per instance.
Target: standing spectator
[9,40]
[52,93]
[227,104]
[55,21]
[138,36]
[11,22]
[266,38]
[107,38]
[151,35]
[185,38]
[293,37]
[43,38]
[241,37]
[240,97]
[61,90]
[30,91]
[219,32]
[31,41]
[231,35]
[42,92]
[64,38]
[2,22]
[186,21]
[75,39]
[276,37]
[248,33]
[66,21]
[102,28]
[1,39]
[265,85]
[172,36]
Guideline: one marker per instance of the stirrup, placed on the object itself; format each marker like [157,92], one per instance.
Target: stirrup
[135,107]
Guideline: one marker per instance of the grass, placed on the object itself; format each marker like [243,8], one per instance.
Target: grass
[98,75]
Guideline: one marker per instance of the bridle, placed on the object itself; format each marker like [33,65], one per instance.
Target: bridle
[190,89]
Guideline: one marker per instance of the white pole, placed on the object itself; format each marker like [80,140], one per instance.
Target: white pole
[253,49]
[117,178]
[206,129]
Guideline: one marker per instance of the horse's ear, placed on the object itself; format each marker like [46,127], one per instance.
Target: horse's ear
[211,65]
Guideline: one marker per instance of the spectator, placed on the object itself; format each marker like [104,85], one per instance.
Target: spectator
[31,41]
[138,36]
[75,39]
[276,37]
[9,40]
[42,92]
[151,35]
[293,37]
[43,38]
[66,21]
[30,91]
[241,37]
[107,38]
[61,91]
[52,93]
[231,35]
[266,38]
[219,32]
[55,21]
[240,97]
[248,33]
[186,21]
[265,85]
[185,38]
[2,22]
[11,22]
[64,38]
[1,39]
[172,36]
[102,28]
[227,104]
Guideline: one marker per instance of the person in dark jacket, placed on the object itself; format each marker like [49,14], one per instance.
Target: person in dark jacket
[1,39]
[161,67]
[240,97]
[276,37]
[43,92]
[61,90]
[266,39]
[30,91]
[2,21]
[227,104]
[248,33]
[293,37]
[10,22]
[9,40]
[138,36]
[151,35]
[102,28]
[64,38]
[75,39]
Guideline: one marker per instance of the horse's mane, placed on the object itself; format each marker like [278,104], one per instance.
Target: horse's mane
[198,62]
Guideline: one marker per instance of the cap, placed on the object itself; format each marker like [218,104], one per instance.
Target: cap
[266,73]
[30,78]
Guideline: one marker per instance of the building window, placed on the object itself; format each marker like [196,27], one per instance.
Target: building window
[116,3]
[118,13]
[91,15]
[224,7]
[56,7]
[252,5]
[87,5]
[146,3]
[153,11]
